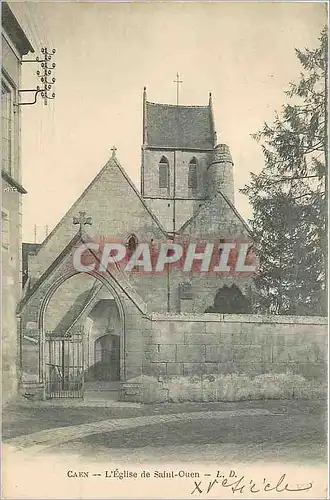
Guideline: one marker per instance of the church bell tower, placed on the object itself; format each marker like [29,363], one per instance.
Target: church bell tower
[181,166]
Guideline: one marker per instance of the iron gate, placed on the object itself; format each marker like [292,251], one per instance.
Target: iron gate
[64,365]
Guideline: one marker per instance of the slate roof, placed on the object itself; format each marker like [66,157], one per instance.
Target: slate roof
[181,127]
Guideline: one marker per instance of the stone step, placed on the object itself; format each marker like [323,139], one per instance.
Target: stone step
[101,396]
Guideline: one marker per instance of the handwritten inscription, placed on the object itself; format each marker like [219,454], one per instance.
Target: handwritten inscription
[240,484]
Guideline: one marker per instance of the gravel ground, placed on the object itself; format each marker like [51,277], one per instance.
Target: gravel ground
[293,437]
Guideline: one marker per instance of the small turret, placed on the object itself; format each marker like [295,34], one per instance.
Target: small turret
[212,119]
[220,172]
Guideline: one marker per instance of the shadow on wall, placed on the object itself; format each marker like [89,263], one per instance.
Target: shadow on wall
[106,365]
[97,372]
[229,387]
[30,359]
[230,300]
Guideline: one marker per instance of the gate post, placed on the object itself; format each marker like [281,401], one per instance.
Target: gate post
[42,362]
[83,346]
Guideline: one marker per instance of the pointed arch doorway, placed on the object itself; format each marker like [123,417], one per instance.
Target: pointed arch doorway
[103,351]
[107,356]
[98,315]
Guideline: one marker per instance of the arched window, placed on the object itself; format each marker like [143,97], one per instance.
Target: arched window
[163,173]
[192,174]
[230,300]
[131,244]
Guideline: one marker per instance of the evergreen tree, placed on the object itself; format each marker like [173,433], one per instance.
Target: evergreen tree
[289,196]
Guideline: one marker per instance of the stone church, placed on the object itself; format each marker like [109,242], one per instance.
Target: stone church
[83,332]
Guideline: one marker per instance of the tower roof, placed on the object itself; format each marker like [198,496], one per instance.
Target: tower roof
[179,127]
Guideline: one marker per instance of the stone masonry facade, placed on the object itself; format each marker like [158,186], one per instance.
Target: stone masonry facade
[187,349]
[14,46]
[252,344]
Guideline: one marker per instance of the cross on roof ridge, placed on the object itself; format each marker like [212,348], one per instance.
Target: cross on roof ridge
[177,81]
[113,149]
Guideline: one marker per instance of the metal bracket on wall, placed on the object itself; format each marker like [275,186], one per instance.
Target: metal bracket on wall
[45,77]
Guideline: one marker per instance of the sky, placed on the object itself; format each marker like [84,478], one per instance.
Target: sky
[106,52]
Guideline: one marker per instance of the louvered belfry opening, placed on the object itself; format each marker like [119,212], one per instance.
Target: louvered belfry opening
[163,173]
[192,174]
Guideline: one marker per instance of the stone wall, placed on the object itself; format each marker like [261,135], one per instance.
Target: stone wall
[66,298]
[285,350]
[11,244]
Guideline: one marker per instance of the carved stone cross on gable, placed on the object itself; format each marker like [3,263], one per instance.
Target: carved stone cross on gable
[82,220]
